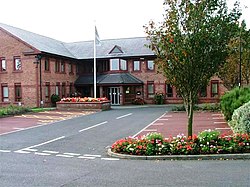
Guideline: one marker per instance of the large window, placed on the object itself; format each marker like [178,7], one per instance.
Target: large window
[150,65]
[214,88]
[17,64]
[150,89]
[137,65]
[71,71]
[18,92]
[57,91]
[3,65]
[57,66]
[62,66]
[118,64]
[5,93]
[169,90]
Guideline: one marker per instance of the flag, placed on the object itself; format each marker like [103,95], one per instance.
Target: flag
[97,38]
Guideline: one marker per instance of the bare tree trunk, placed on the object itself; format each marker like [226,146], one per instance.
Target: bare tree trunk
[189,105]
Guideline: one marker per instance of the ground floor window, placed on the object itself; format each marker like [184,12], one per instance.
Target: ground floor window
[150,89]
[18,92]
[57,91]
[47,92]
[63,89]
[214,88]
[5,93]
[203,91]
[169,90]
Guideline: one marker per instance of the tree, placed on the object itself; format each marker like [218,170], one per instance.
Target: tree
[191,44]
[229,72]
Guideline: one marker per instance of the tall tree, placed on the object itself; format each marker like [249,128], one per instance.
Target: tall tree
[230,71]
[191,44]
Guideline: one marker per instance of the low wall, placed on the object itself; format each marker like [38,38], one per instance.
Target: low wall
[100,106]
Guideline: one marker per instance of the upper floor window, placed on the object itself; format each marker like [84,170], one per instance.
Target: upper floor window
[118,64]
[3,65]
[17,64]
[62,66]
[137,66]
[57,66]
[46,64]
[71,67]
[150,65]
[5,93]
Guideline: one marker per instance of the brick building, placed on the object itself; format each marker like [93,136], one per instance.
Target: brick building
[33,67]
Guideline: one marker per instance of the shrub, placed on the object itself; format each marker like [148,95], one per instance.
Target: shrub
[233,100]
[13,110]
[159,98]
[54,98]
[138,101]
[240,122]
[208,141]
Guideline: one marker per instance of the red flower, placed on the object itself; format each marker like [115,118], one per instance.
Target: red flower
[171,40]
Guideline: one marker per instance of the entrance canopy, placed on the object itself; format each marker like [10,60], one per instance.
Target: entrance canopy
[109,79]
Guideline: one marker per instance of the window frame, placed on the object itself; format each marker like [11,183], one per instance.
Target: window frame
[139,64]
[18,86]
[1,64]
[47,92]
[3,95]
[148,68]
[216,94]
[57,66]
[57,89]
[63,89]
[150,94]
[47,64]
[15,60]
[167,93]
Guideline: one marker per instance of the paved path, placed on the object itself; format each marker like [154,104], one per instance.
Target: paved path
[30,120]
[174,123]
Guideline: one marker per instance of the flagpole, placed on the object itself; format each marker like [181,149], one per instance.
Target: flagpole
[94,61]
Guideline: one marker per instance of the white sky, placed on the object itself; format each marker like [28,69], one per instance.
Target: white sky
[73,20]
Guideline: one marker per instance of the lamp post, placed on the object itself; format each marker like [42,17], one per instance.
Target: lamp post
[240,74]
[38,61]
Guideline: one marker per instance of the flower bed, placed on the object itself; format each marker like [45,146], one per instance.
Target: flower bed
[86,103]
[207,142]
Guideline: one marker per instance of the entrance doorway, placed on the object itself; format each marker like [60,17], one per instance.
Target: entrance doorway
[114,95]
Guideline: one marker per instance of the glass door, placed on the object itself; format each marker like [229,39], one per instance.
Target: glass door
[114,95]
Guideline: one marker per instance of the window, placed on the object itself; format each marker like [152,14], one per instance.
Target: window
[214,88]
[46,64]
[123,64]
[150,89]
[114,64]
[63,89]
[169,90]
[57,66]
[18,92]
[71,88]
[3,66]
[203,91]
[137,66]
[150,65]
[71,68]
[47,92]
[17,64]
[5,93]
[62,66]
[57,88]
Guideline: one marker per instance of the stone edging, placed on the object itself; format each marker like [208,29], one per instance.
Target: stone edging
[245,156]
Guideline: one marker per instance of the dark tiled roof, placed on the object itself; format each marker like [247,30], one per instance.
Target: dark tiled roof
[108,79]
[82,50]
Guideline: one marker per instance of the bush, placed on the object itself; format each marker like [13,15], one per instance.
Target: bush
[138,101]
[54,98]
[240,122]
[13,110]
[233,100]
[159,98]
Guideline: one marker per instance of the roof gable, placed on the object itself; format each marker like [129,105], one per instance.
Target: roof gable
[116,49]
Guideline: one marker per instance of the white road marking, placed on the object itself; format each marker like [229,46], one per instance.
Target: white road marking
[18,128]
[110,159]
[72,154]
[88,155]
[218,118]
[220,122]
[168,116]
[217,114]
[47,142]
[158,124]
[162,119]
[66,156]
[93,126]
[51,152]
[5,151]
[42,154]
[32,150]
[22,152]
[124,116]
[149,125]
[150,130]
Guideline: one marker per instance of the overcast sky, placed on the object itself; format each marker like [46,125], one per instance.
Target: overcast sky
[73,20]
